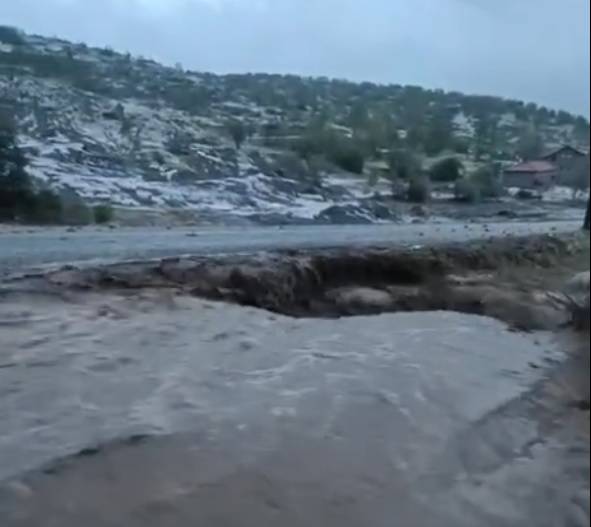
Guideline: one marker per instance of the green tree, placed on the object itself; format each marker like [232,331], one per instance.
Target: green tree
[309,144]
[486,135]
[358,116]
[46,208]
[102,214]
[75,211]
[403,165]
[563,118]
[419,190]
[467,191]
[439,135]
[379,133]
[487,181]
[11,35]
[16,191]
[447,170]
[237,131]
[577,176]
[348,156]
[19,200]
[581,129]
[530,144]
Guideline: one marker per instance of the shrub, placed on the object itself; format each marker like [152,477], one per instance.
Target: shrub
[76,212]
[403,165]
[467,191]
[102,214]
[237,131]
[419,190]
[44,207]
[307,145]
[16,190]
[348,157]
[447,170]
[526,194]
[487,182]
[461,146]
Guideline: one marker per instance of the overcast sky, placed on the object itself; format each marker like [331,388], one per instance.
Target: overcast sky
[528,49]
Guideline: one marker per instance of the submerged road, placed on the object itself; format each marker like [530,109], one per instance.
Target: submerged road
[22,249]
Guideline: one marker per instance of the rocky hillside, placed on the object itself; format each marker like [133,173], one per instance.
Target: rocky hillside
[131,132]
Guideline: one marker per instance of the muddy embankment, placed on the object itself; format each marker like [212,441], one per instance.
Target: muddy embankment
[516,280]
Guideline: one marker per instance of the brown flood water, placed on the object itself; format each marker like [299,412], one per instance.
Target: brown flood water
[152,408]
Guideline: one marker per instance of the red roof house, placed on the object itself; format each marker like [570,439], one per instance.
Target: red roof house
[531,175]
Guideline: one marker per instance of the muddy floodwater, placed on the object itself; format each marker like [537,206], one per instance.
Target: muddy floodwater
[155,408]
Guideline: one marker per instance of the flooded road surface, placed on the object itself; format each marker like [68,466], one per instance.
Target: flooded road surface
[154,409]
[23,249]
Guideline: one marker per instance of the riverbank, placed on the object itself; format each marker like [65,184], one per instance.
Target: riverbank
[516,280]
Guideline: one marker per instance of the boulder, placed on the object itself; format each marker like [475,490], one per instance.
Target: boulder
[361,297]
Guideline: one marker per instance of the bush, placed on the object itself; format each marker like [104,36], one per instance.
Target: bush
[526,194]
[461,146]
[307,145]
[466,191]
[44,208]
[447,170]
[419,190]
[237,131]
[16,191]
[349,158]
[488,184]
[343,152]
[102,214]
[76,212]
[403,165]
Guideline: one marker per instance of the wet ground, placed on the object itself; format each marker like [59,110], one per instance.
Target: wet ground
[148,406]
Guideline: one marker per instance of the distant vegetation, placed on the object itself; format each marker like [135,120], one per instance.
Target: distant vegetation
[11,35]
[238,132]
[375,115]
[21,201]
[102,214]
[419,190]
[447,170]
[417,136]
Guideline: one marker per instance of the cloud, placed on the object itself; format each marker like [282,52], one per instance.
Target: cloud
[527,49]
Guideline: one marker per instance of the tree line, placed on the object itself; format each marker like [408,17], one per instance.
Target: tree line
[22,201]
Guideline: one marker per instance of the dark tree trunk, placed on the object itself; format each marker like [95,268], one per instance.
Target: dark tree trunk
[586,222]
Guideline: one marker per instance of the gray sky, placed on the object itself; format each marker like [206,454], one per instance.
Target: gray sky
[527,49]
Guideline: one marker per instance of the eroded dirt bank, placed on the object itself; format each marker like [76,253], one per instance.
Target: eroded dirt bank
[508,279]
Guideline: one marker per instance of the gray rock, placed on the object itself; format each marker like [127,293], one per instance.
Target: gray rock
[362,297]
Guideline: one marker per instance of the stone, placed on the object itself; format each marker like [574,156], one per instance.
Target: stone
[362,297]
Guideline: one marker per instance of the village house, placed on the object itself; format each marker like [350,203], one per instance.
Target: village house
[564,156]
[557,167]
[533,175]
